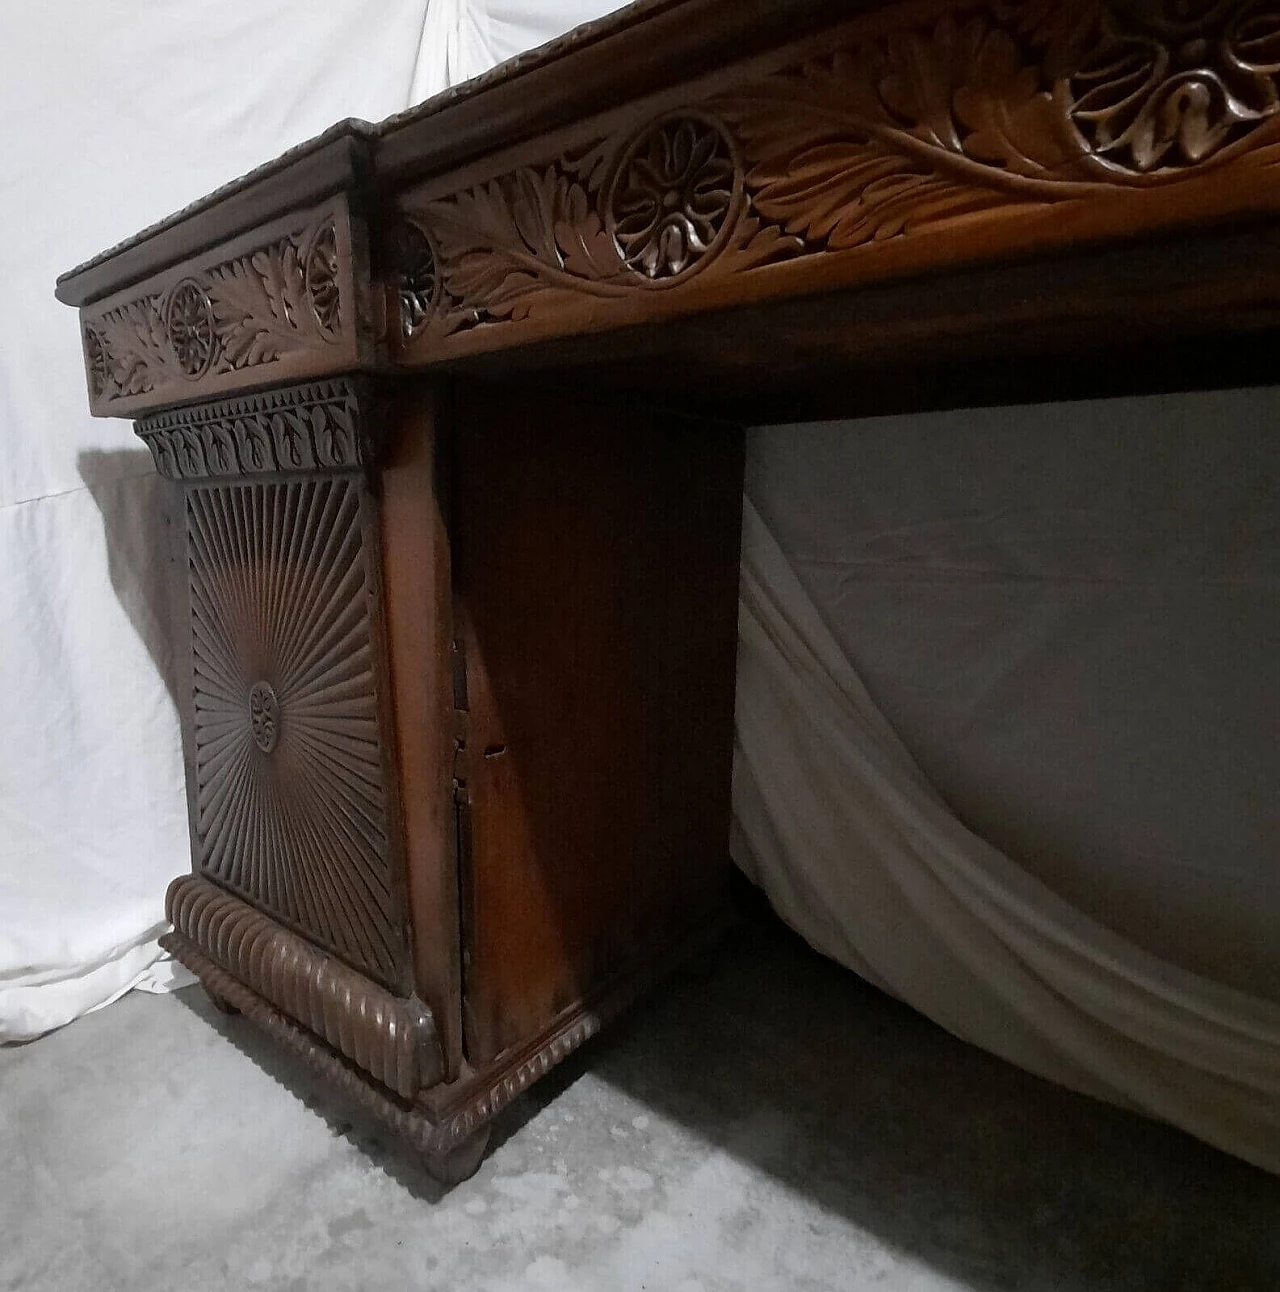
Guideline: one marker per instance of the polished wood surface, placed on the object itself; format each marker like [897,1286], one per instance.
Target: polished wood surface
[452,408]
[595,583]
[417,576]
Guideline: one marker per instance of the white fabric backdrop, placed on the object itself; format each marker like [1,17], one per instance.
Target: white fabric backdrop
[1068,612]
[115,114]
[1069,615]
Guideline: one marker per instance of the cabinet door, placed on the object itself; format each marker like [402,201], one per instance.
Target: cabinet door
[595,578]
[290,778]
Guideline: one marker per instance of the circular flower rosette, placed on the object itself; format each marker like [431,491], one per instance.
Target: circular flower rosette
[675,197]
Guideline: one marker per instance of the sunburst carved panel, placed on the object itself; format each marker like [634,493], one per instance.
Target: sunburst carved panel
[291,802]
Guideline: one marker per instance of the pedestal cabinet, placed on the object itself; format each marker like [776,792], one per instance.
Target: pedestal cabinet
[451,409]
[448,654]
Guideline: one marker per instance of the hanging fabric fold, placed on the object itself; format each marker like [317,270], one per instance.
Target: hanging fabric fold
[835,821]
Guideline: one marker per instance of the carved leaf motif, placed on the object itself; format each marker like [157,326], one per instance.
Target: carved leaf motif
[588,250]
[754,243]
[922,72]
[262,308]
[136,347]
[964,107]
[504,241]
[259,303]
[918,126]
[281,275]
[818,170]
[294,429]
[336,441]
[1010,119]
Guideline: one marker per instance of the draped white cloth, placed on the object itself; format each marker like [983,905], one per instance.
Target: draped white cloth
[859,853]
[117,113]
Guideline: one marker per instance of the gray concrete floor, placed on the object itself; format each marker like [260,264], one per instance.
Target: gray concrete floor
[766,1122]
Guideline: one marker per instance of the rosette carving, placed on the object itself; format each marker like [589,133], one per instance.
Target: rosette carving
[188,319]
[962,109]
[277,301]
[673,195]
[1171,85]
[413,266]
[264,716]
[643,212]
[321,276]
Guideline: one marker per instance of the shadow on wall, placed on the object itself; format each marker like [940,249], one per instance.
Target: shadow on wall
[135,505]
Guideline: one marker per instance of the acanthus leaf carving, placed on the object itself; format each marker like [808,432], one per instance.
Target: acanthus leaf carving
[969,107]
[511,238]
[275,300]
[640,213]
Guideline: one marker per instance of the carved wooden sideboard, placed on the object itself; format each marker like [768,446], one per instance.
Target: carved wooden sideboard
[452,409]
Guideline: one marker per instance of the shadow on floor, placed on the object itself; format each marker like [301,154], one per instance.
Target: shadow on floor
[771,1054]
[986,1173]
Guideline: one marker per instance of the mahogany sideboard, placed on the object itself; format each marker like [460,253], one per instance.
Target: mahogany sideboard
[452,409]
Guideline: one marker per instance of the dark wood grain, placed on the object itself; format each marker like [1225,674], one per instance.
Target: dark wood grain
[417,578]
[595,578]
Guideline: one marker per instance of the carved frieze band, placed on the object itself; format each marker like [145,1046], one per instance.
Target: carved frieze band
[315,426]
[888,128]
[391,1038]
[276,301]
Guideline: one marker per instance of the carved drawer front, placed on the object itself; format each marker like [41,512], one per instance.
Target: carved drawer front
[290,793]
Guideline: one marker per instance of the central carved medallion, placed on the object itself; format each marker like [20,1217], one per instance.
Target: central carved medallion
[190,326]
[264,716]
[675,191]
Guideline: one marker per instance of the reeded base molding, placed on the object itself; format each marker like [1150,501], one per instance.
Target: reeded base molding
[449,1158]
[392,1038]
[447,1124]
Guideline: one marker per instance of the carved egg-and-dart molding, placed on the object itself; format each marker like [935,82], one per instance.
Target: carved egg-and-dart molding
[291,802]
[881,133]
[314,426]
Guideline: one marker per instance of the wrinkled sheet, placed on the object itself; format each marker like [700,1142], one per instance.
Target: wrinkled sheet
[1072,610]
[116,114]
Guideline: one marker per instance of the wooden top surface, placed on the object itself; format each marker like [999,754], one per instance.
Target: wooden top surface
[795,187]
